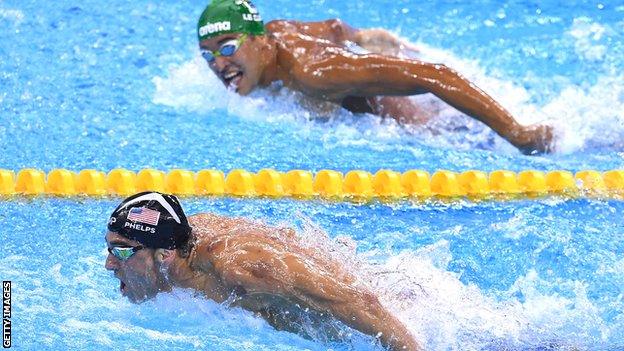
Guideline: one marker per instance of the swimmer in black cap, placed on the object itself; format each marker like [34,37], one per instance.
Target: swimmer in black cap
[142,225]
[153,247]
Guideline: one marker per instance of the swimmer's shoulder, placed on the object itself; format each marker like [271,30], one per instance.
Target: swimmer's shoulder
[321,29]
[211,228]
[203,219]
[212,231]
[282,26]
[213,223]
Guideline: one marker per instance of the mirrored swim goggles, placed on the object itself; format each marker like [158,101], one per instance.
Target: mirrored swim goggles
[123,253]
[228,48]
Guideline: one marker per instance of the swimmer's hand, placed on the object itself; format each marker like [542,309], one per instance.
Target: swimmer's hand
[382,42]
[534,139]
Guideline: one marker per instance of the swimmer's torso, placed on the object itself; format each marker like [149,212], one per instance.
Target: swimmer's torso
[293,284]
[221,244]
[304,47]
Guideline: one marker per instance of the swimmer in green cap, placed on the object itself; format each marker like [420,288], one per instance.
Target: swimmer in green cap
[314,58]
[153,247]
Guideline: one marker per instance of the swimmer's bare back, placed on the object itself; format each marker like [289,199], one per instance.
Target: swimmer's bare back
[312,58]
[249,258]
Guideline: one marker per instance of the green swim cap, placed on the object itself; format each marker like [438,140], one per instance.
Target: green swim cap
[229,16]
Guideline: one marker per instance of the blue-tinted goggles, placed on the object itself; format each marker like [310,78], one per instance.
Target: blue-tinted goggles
[228,48]
[123,253]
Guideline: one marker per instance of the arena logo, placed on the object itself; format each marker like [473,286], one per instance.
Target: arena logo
[210,28]
[140,227]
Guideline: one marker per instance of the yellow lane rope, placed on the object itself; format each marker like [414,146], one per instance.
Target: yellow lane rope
[305,184]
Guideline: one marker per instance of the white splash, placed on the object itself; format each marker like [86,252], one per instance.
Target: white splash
[15,16]
[587,35]
[101,332]
[438,308]
[190,85]
[446,314]
[594,115]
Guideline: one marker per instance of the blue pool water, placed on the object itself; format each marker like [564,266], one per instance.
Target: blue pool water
[120,84]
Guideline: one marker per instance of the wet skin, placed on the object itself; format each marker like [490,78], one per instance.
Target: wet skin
[311,57]
[262,269]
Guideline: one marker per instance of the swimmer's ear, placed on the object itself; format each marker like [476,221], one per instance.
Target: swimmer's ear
[164,255]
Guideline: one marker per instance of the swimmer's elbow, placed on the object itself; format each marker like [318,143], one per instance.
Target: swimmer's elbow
[370,299]
[341,30]
[339,25]
[363,301]
[334,23]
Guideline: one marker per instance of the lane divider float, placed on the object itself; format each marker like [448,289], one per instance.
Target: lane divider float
[325,183]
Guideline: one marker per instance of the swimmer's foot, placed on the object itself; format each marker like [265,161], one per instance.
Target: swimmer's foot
[534,139]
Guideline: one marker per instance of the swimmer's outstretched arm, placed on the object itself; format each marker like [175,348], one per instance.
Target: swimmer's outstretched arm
[339,75]
[264,266]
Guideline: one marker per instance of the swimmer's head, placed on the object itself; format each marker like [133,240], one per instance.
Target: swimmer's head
[229,16]
[232,41]
[146,233]
[155,220]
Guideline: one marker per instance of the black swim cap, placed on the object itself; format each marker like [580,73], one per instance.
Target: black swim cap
[155,220]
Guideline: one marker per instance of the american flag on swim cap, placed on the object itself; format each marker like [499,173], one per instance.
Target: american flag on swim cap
[153,219]
[144,215]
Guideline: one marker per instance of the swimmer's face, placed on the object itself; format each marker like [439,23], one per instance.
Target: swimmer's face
[139,276]
[242,70]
